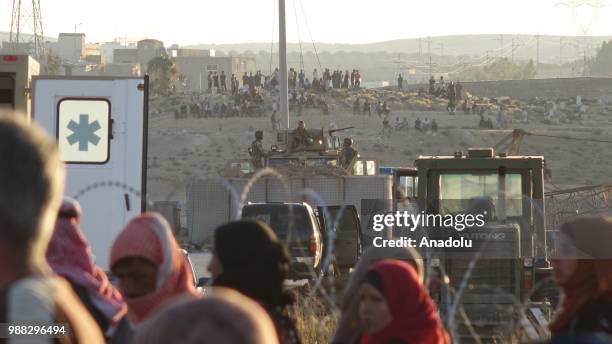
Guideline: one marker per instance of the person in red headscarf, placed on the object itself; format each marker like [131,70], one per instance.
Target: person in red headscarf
[148,262]
[349,327]
[395,308]
[69,255]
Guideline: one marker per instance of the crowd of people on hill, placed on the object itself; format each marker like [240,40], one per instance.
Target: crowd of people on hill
[48,275]
[249,83]
[248,97]
[451,91]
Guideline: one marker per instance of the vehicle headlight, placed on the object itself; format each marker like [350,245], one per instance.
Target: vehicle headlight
[435,262]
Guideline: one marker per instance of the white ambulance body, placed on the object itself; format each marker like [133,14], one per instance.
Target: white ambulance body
[100,124]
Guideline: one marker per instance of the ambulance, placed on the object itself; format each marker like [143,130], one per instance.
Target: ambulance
[100,124]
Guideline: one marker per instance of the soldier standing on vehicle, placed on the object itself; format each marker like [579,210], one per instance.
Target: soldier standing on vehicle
[432,87]
[258,153]
[300,136]
[348,154]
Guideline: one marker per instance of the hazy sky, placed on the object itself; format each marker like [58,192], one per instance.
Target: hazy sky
[332,21]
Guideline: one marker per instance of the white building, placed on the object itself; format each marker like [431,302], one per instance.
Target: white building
[107,49]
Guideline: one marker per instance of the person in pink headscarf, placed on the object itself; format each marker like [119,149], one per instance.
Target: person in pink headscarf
[148,262]
[69,255]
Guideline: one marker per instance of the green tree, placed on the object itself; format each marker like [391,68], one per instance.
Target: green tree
[500,69]
[51,65]
[163,75]
[503,69]
[529,70]
[601,64]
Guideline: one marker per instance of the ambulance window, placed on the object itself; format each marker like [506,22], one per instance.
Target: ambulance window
[83,130]
[7,92]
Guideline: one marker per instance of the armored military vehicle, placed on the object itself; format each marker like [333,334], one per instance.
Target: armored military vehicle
[321,149]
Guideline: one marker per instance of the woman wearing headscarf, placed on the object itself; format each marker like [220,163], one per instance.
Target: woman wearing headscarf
[148,262]
[224,316]
[349,327]
[249,258]
[583,269]
[394,307]
[69,255]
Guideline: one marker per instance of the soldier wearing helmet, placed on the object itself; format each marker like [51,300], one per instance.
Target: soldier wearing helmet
[257,151]
[300,137]
[348,154]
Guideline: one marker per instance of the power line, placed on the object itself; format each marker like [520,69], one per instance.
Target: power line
[273,30]
[297,24]
[501,45]
[310,34]
[514,46]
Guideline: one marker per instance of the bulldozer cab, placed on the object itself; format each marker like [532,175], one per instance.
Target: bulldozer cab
[507,251]
[509,189]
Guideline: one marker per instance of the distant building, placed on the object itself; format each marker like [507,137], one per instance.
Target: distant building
[121,69]
[92,49]
[145,51]
[107,50]
[196,68]
[93,59]
[71,47]
[83,70]
[125,56]
[149,49]
[194,52]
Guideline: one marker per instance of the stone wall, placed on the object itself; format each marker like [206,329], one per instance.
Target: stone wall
[588,88]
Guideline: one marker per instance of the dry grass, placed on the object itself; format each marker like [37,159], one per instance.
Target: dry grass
[316,322]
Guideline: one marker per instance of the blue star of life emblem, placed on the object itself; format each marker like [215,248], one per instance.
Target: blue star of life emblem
[84,132]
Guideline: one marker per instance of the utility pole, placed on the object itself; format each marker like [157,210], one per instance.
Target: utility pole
[282,61]
[560,55]
[596,6]
[501,45]
[584,56]
[420,50]
[429,53]
[537,52]
[27,12]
